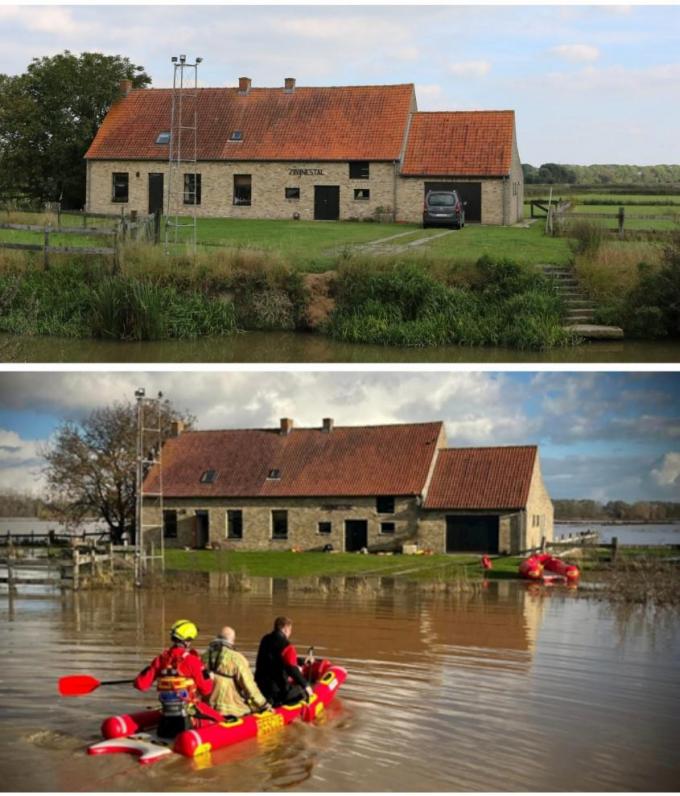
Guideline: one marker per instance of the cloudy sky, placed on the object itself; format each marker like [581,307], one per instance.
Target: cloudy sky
[601,435]
[590,84]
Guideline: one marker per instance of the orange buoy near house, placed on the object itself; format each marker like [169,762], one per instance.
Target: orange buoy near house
[533,568]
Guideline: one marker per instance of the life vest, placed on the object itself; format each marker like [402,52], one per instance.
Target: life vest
[176,691]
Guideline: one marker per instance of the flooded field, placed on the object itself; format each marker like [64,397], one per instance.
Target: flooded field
[643,534]
[307,347]
[510,688]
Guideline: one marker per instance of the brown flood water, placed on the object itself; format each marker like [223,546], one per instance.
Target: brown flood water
[505,689]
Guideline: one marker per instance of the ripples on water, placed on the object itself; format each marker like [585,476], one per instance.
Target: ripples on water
[507,690]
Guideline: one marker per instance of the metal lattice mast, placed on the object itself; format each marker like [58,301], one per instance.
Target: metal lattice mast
[183,187]
[149,454]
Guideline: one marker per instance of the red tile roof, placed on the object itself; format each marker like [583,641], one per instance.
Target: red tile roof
[335,123]
[461,143]
[347,461]
[482,478]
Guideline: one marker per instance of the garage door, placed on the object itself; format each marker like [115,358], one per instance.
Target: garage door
[470,192]
[475,532]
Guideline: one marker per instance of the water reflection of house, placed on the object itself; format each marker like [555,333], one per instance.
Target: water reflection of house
[349,487]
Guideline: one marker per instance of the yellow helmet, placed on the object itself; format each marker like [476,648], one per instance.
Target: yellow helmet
[183,630]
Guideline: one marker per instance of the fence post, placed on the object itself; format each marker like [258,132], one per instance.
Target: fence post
[543,543]
[112,562]
[615,547]
[621,217]
[116,252]
[76,569]
[46,256]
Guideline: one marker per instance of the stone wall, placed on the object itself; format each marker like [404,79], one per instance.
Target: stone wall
[411,193]
[304,516]
[540,512]
[515,189]
[269,181]
[432,529]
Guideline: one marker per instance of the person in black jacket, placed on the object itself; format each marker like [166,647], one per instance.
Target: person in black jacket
[277,673]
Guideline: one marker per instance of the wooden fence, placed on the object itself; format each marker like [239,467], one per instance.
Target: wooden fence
[557,215]
[66,570]
[125,228]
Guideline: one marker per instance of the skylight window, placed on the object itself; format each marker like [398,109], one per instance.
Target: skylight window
[208,477]
[163,138]
[236,135]
[274,475]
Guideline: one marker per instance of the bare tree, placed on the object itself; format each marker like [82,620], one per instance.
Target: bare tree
[91,466]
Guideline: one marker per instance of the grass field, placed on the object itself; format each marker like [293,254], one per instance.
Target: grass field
[298,565]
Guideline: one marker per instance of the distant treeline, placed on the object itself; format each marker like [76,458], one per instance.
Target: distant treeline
[605,174]
[15,504]
[616,510]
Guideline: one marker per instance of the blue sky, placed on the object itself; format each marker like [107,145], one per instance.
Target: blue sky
[590,84]
[601,435]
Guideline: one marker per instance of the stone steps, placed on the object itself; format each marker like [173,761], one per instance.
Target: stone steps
[580,310]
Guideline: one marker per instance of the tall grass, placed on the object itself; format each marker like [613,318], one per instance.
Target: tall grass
[401,304]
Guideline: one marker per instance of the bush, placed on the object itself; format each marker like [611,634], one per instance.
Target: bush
[586,236]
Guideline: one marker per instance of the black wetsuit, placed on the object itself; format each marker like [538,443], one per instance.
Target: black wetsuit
[274,667]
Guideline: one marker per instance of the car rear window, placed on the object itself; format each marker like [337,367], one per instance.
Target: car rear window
[441,199]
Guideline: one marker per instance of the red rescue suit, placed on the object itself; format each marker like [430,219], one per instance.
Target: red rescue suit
[186,664]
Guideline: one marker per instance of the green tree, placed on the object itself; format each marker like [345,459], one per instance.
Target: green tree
[48,118]
[91,467]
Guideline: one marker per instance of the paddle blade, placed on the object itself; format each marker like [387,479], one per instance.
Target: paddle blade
[77,684]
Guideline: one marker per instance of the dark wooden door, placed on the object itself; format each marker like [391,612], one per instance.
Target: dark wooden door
[202,529]
[155,193]
[473,532]
[356,535]
[326,202]
[469,192]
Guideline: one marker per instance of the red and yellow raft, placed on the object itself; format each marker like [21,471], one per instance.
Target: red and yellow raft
[132,732]
[535,567]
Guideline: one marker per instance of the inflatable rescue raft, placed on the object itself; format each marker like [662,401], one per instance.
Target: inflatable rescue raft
[543,566]
[133,733]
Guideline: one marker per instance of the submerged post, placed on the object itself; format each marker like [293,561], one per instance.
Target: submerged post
[621,217]
[615,547]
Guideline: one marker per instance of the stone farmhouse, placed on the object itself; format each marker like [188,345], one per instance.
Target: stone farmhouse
[351,487]
[340,152]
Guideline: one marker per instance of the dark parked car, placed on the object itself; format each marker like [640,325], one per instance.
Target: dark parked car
[443,209]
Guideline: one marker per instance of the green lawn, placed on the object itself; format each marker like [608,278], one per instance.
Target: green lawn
[297,565]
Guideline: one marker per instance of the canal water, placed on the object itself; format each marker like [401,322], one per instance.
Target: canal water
[308,347]
[634,534]
[512,687]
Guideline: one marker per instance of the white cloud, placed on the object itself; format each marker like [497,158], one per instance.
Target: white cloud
[667,471]
[577,53]
[470,68]
[20,463]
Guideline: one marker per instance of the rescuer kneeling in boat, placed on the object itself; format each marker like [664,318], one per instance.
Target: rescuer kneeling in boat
[181,680]
[276,670]
[235,692]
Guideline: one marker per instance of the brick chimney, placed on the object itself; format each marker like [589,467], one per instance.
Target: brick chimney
[328,424]
[286,426]
[289,85]
[176,428]
[244,85]
[125,87]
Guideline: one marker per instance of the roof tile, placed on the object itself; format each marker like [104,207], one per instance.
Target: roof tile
[334,123]
[460,143]
[347,461]
[482,478]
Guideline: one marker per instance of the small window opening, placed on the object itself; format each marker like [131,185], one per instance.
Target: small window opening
[325,527]
[163,138]
[234,524]
[362,193]
[208,477]
[279,524]
[236,135]
[274,475]
[192,189]
[292,193]
[358,170]
[387,527]
[242,189]
[384,505]
[170,524]
[120,186]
